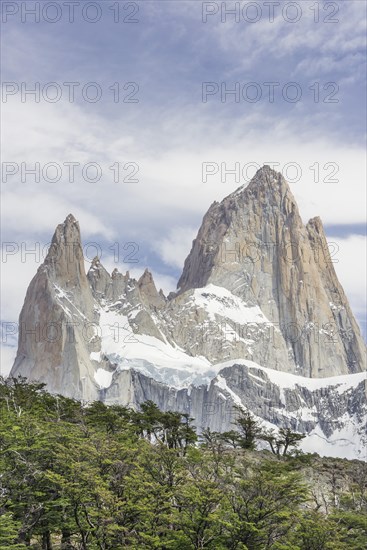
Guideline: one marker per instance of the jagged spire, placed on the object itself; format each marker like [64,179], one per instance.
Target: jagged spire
[52,345]
[64,261]
[266,202]
[148,289]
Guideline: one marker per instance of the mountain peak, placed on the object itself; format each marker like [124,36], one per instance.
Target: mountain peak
[267,188]
[65,260]
[252,214]
[148,290]
[264,177]
[269,177]
[255,245]
[316,224]
[146,277]
[70,219]
[267,172]
[96,263]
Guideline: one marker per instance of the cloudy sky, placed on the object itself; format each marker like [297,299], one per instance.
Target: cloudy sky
[138,95]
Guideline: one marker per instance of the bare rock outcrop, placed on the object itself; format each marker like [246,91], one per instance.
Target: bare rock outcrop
[56,324]
[254,244]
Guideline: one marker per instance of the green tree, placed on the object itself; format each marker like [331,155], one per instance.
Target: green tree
[314,531]
[249,428]
[9,529]
[265,504]
[198,514]
[284,442]
[75,477]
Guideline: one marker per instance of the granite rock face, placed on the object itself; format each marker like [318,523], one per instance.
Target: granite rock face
[59,309]
[258,300]
[332,412]
[254,244]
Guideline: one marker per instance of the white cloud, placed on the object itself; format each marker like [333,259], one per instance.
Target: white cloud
[351,268]
[24,212]
[7,356]
[281,38]
[165,282]
[170,140]
[174,248]
[17,270]
[170,194]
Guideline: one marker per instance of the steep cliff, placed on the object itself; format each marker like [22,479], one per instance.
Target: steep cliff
[56,324]
[254,244]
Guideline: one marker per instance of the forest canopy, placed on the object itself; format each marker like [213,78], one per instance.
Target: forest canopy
[108,477]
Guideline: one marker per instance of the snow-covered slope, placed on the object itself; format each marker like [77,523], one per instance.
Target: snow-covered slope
[153,357]
[332,410]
